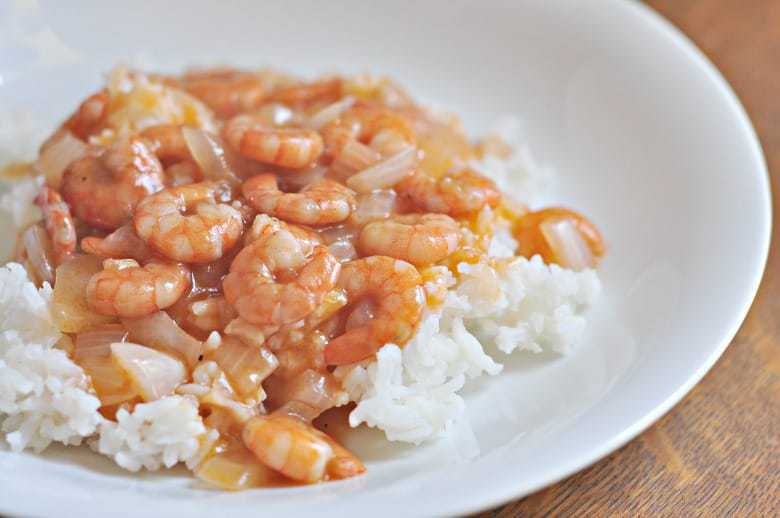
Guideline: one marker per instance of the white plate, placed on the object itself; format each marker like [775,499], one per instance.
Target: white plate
[647,139]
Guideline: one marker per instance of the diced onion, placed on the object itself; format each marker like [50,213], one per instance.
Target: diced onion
[376,205]
[152,373]
[160,331]
[97,341]
[245,366]
[344,251]
[57,155]
[306,395]
[37,246]
[353,157]
[298,180]
[567,244]
[386,173]
[330,113]
[210,156]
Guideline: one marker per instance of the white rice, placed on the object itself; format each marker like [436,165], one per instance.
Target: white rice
[410,393]
[45,397]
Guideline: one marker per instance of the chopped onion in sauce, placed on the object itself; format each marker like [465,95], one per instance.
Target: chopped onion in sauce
[246,367]
[376,205]
[567,244]
[386,173]
[209,154]
[160,331]
[97,341]
[330,113]
[152,373]
[57,155]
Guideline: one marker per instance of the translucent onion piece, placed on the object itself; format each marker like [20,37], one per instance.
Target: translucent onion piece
[567,244]
[246,367]
[209,155]
[57,155]
[374,206]
[330,113]
[97,341]
[69,301]
[344,251]
[236,470]
[298,180]
[110,383]
[160,331]
[386,173]
[152,373]
[309,393]
[353,157]
[37,246]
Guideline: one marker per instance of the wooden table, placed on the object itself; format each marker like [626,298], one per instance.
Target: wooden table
[717,453]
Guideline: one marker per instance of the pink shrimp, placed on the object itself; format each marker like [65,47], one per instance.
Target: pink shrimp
[378,127]
[285,147]
[321,203]
[227,91]
[201,237]
[298,450]
[280,278]
[59,223]
[104,187]
[123,243]
[167,142]
[420,239]
[89,116]
[125,289]
[394,288]
[454,194]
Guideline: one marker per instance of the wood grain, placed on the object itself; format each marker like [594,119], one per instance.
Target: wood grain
[717,453]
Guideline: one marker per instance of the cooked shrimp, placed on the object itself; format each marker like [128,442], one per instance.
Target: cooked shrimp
[280,278]
[167,142]
[298,450]
[202,237]
[59,223]
[420,239]
[395,289]
[453,194]
[530,233]
[125,289]
[227,91]
[103,189]
[300,95]
[285,147]
[123,243]
[89,116]
[321,203]
[382,129]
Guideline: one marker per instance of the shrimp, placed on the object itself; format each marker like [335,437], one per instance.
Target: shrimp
[167,142]
[201,237]
[89,116]
[123,243]
[103,188]
[326,90]
[280,278]
[285,147]
[321,203]
[531,238]
[227,91]
[59,223]
[453,194]
[125,289]
[298,450]
[395,289]
[382,129]
[420,239]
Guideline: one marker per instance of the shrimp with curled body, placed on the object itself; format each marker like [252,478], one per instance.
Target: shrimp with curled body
[227,91]
[454,194]
[394,288]
[420,239]
[298,450]
[125,289]
[58,222]
[280,278]
[378,127]
[104,187]
[285,147]
[167,142]
[321,203]
[204,236]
